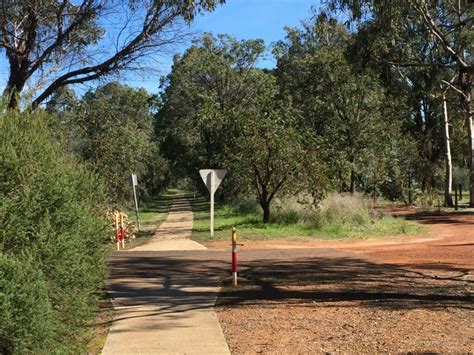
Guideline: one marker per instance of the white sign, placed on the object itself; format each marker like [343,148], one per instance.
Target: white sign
[132,180]
[212,178]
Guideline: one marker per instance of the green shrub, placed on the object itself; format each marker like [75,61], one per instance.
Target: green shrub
[26,309]
[248,206]
[284,217]
[291,211]
[51,212]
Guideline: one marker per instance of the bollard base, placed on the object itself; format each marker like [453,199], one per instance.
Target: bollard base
[234,279]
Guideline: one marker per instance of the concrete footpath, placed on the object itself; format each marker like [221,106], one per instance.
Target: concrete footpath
[164,308]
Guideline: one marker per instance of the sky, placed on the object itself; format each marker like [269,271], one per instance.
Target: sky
[243,19]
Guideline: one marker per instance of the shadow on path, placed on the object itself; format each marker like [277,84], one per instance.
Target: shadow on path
[318,277]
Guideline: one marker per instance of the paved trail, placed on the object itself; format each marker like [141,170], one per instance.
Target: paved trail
[175,232]
[163,308]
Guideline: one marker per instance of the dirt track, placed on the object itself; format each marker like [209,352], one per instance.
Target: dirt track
[399,295]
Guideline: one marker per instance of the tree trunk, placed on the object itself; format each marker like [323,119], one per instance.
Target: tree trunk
[448,183]
[470,124]
[266,211]
[466,88]
[340,181]
[410,196]
[16,82]
[374,195]
[352,187]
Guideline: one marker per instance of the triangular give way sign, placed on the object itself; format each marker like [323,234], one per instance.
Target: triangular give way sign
[212,178]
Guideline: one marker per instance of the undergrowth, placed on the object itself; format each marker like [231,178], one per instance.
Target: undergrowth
[338,216]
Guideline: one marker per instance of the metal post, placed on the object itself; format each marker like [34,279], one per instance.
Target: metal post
[136,207]
[234,256]
[460,192]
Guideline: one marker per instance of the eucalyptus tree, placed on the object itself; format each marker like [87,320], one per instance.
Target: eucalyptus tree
[340,104]
[423,28]
[54,43]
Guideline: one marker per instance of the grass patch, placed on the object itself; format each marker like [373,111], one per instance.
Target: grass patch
[339,219]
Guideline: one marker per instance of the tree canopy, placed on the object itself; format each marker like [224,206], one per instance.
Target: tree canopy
[69,42]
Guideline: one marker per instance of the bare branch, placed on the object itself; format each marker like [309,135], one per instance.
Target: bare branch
[454,88]
[424,12]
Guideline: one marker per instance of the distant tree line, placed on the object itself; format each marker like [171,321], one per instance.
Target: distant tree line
[381,110]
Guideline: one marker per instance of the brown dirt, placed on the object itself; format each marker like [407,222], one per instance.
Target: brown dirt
[400,294]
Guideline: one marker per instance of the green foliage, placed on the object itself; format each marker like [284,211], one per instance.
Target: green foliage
[51,238]
[341,104]
[26,310]
[111,129]
[223,112]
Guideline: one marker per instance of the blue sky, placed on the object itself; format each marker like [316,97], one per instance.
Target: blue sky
[243,19]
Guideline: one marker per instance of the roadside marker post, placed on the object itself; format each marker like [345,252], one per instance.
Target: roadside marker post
[234,256]
[122,231]
[212,179]
[117,231]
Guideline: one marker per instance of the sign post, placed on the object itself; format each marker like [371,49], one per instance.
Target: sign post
[212,178]
[133,181]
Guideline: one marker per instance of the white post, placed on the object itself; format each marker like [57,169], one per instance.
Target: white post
[212,204]
[136,206]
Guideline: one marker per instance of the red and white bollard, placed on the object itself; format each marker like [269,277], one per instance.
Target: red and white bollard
[117,231]
[234,256]
[122,231]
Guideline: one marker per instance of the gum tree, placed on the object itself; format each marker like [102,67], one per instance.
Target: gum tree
[53,43]
[424,27]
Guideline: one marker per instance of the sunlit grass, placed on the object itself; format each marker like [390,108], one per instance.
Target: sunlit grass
[250,226]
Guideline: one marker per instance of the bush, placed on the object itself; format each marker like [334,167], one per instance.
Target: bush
[51,258]
[26,309]
[291,211]
[247,206]
[344,209]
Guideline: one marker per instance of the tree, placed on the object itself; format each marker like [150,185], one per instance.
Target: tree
[64,41]
[221,111]
[113,128]
[437,26]
[341,105]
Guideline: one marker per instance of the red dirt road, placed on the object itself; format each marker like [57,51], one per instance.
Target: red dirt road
[450,239]
[402,294]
